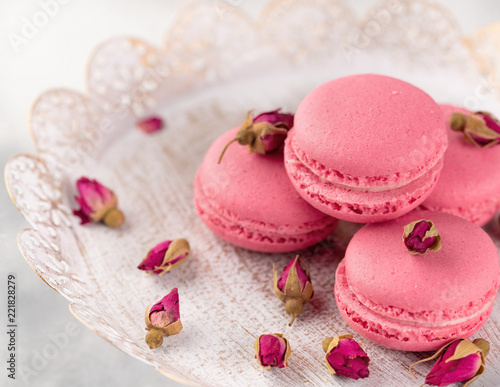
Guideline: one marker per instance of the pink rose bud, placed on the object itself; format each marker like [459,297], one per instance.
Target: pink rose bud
[163,319]
[272,351]
[293,287]
[345,357]
[165,256]
[458,361]
[280,120]
[264,133]
[269,140]
[420,236]
[150,124]
[481,129]
[97,203]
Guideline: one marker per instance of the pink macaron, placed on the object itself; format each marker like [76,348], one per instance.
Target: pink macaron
[366,148]
[469,185]
[417,302]
[249,201]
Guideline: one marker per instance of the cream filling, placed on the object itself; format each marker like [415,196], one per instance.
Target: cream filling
[364,189]
[457,321]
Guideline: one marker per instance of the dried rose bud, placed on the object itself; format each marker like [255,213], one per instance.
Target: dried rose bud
[345,357]
[420,236]
[293,287]
[458,361]
[165,256]
[163,319]
[280,120]
[481,129]
[150,124]
[97,203]
[272,351]
[264,133]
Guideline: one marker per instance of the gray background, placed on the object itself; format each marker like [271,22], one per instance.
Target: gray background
[54,349]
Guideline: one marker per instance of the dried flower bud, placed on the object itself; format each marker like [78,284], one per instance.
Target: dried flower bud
[293,287]
[264,133]
[165,256]
[150,124]
[163,319]
[272,350]
[345,357]
[420,236]
[280,120]
[97,203]
[458,361]
[481,129]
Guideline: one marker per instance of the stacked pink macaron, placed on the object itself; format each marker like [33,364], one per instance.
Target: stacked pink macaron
[366,148]
[417,302]
[248,200]
[369,149]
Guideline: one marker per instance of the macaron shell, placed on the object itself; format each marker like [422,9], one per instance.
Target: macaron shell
[469,185]
[253,186]
[404,336]
[249,201]
[418,302]
[369,129]
[358,205]
[258,235]
[379,266]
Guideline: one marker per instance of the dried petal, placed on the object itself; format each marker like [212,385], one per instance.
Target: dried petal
[150,124]
[165,256]
[264,133]
[280,120]
[420,236]
[268,138]
[97,203]
[294,287]
[272,350]
[344,356]
[163,319]
[458,361]
[481,129]
[165,311]
[301,272]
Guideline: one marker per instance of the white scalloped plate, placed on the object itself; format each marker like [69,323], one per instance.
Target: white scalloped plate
[215,65]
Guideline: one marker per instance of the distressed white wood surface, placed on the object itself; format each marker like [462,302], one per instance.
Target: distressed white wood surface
[226,296]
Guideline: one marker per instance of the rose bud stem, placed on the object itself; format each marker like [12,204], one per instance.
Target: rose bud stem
[154,338]
[244,137]
[293,307]
[114,218]
[457,121]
